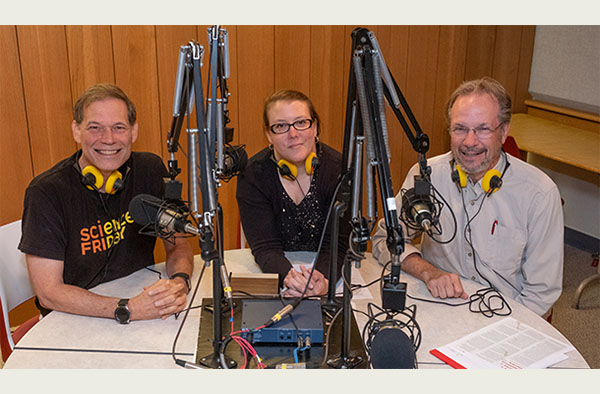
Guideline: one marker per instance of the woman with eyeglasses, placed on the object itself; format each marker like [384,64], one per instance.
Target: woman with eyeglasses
[285,192]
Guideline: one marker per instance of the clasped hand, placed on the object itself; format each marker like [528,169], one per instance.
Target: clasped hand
[295,282]
[161,299]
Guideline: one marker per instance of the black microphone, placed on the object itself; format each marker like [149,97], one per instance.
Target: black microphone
[391,348]
[417,210]
[234,160]
[147,210]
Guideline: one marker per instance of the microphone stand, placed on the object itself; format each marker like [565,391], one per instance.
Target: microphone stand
[366,123]
[338,211]
[376,72]
[209,199]
[350,190]
[202,154]
[210,254]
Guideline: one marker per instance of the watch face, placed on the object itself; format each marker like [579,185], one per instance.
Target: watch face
[122,314]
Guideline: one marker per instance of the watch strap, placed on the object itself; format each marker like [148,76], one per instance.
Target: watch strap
[185,276]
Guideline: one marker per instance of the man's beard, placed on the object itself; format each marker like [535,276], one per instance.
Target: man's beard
[482,167]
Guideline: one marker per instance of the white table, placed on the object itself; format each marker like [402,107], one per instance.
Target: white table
[62,340]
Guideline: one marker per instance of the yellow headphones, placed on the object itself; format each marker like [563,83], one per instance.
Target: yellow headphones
[289,170]
[490,183]
[93,180]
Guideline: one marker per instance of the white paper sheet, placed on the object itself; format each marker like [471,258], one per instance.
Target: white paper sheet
[507,344]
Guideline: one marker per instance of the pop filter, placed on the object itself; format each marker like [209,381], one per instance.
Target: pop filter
[143,209]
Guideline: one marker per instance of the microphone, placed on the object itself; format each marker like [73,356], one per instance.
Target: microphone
[147,210]
[391,348]
[392,338]
[234,161]
[417,210]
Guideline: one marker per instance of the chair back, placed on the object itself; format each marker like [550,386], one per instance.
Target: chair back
[15,287]
[510,146]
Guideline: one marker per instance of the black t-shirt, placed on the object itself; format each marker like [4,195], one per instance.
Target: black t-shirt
[91,232]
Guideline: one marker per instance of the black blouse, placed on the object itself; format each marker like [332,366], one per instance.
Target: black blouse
[273,223]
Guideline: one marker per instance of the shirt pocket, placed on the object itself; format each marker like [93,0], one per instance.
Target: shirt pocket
[504,249]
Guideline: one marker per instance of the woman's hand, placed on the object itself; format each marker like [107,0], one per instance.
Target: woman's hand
[295,282]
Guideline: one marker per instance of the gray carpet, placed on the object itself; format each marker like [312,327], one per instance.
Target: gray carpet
[580,326]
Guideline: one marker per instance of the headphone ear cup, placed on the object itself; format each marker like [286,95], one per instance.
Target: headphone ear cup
[92,178]
[311,163]
[491,182]
[456,179]
[114,183]
[461,176]
[287,169]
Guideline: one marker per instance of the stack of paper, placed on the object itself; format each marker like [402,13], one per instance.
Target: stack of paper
[507,344]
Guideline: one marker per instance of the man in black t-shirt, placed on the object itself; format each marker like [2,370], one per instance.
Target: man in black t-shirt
[77,231]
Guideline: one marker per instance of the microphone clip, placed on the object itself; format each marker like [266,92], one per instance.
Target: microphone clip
[421,209]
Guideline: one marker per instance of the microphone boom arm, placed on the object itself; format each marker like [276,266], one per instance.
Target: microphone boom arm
[371,80]
[205,160]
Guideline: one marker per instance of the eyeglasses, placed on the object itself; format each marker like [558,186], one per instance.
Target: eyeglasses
[118,128]
[300,125]
[480,131]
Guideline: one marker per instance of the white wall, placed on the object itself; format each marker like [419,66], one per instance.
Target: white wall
[565,71]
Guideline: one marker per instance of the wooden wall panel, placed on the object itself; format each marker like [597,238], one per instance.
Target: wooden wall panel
[420,86]
[506,57]
[51,65]
[450,73]
[46,83]
[90,57]
[256,81]
[292,58]
[16,169]
[328,82]
[136,73]
[480,57]
[524,69]
[253,69]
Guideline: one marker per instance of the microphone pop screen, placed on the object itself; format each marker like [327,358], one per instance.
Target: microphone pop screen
[144,209]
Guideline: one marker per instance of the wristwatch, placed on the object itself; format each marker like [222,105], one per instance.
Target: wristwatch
[122,314]
[185,276]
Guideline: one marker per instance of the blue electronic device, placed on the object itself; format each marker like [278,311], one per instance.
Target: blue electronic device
[305,321]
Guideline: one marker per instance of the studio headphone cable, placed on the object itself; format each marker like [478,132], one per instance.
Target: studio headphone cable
[486,295]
